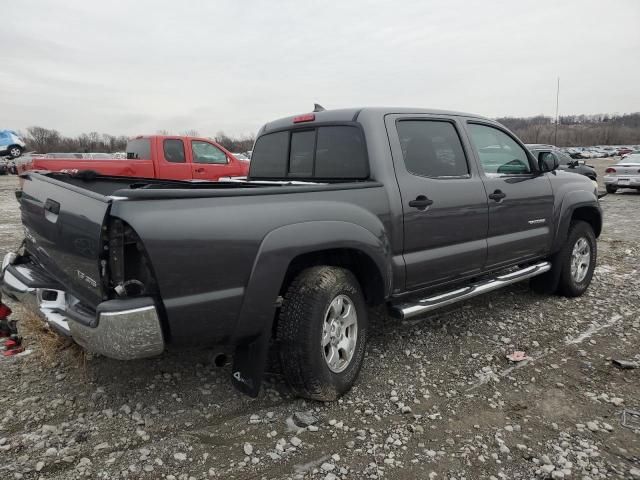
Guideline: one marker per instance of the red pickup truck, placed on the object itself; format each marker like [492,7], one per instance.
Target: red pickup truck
[154,156]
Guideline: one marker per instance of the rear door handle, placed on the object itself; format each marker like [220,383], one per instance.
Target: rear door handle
[498,195]
[421,202]
[51,210]
[52,206]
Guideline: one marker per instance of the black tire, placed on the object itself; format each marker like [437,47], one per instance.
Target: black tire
[300,328]
[568,285]
[15,151]
[611,189]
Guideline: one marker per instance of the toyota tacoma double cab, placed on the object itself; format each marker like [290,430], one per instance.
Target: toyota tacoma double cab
[401,209]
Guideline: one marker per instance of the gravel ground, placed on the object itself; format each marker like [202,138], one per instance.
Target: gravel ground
[437,398]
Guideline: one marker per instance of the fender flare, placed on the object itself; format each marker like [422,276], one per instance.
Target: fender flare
[278,248]
[570,203]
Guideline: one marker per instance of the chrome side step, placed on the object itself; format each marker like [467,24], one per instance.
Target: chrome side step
[408,310]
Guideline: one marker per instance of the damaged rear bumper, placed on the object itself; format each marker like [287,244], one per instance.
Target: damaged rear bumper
[124,329]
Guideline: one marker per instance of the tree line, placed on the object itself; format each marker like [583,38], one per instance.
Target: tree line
[577,130]
[46,140]
[572,130]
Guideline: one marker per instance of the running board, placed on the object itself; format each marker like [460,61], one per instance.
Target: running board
[407,310]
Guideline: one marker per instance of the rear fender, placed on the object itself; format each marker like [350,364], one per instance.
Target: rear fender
[278,249]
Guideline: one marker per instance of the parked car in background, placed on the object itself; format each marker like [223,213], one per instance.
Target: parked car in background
[632,152]
[8,167]
[242,156]
[64,155]
[565,162]
[85,155]
[154,156]
[573,152]
[624,150]
[11,145]
[624,174]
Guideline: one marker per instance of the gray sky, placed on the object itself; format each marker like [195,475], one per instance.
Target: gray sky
[125,67]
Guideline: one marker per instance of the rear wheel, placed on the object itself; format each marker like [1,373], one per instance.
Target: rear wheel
[322,332]
[15,151]
[611,189]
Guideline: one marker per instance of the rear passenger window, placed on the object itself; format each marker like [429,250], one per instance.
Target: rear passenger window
[432,148]
[340,152]
[499,153]
[139,149]
[174,150]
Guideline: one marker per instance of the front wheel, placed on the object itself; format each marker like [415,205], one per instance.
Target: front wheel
[578,259]
[322,332]
[611,189]
[15,151]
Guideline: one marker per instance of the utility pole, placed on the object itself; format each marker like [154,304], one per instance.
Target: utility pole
[555,142]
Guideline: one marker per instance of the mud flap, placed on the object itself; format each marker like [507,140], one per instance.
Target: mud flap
[547,283]
[249,363]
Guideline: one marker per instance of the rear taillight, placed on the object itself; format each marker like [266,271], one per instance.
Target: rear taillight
[309,117]
[126,270]
[610,170]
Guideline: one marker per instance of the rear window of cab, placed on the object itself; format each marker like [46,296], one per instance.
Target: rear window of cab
[334,152]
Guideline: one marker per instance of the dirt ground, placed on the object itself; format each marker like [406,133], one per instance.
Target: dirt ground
[436,399]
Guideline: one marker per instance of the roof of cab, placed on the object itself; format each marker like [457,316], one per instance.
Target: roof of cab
[352,114]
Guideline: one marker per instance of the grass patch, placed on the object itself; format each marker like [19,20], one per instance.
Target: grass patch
[48,347]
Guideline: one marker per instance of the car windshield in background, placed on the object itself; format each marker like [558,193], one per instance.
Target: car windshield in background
[321,153]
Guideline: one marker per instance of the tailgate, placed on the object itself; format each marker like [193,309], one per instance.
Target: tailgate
[63,229]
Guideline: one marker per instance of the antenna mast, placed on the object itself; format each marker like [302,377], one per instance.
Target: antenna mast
[555,142]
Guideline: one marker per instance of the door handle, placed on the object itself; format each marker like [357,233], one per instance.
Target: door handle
[51,210]
[421,202]
[52,206]
[199,170]
[498,195]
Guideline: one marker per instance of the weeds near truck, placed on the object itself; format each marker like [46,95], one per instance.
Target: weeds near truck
[49,347]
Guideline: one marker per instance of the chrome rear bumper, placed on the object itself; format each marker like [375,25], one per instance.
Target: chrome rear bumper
[623,181]
[122,329]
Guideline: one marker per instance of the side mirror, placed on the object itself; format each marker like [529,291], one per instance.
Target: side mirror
[548,162]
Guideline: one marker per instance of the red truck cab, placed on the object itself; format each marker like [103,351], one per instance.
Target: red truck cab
[154,156]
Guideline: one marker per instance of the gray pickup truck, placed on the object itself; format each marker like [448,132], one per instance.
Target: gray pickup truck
[343,210]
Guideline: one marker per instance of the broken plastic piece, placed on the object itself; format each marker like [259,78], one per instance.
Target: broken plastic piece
[631,419]
[13,351]
[625,364]
[517,356]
